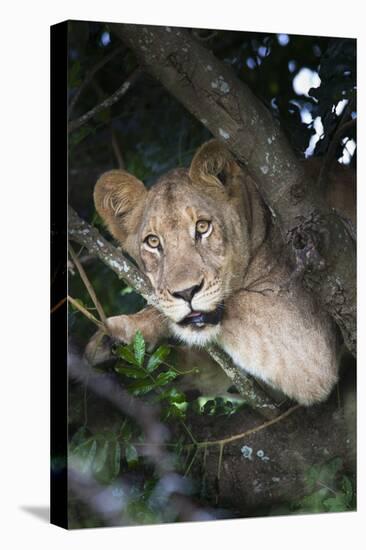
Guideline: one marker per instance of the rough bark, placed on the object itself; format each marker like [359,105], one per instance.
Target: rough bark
[83,233]
[322,246]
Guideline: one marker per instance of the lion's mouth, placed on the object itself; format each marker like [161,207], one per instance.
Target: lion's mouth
[199,319]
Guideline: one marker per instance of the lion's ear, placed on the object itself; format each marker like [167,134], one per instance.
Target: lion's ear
[118,199]
[212,164]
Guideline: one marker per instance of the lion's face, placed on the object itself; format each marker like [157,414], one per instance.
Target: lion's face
[184,250]
[189,234]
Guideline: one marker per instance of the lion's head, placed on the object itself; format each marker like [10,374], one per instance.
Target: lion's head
[193,234]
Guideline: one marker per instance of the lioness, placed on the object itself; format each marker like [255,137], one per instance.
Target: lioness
[206,242]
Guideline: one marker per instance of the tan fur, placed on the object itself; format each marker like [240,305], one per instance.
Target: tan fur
[278,336]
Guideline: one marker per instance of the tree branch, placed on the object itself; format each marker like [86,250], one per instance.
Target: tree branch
[88,236]
[74,124]
[211,91]
[85,312]
[254,395]
[90,75]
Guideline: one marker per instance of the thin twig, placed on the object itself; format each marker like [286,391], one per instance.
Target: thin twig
[88,286]
[117,150]
[232,438]
[59,304]
[196,451]
[88,78]
[189,432]
[221,452]
[116,96]
[85,312]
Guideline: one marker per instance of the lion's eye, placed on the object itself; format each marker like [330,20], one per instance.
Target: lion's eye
[202,227]
[153,241]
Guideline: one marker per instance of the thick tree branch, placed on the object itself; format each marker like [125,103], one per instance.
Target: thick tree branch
[246,385]
[210,90]
[83,233]
[89,237]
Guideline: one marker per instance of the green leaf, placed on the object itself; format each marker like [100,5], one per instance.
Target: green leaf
[174,412]
[88,462]
[80,302]
[209,407]
[130,372]
[139,348]
[165,377]
[126,431]
[337,504]
[330,469]
[79,437]
[74,75]
[323,474]
[117,459]
[173,396]
[78,135]
[101,458]
[157,358]
[141,387]
[313,502]
[127,354]
[131,455]
[347,489]
[312,477]
[126,290]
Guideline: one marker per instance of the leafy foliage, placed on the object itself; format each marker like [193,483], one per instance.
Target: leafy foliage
[102,453]
[115,449]
[146,371]
[328,489]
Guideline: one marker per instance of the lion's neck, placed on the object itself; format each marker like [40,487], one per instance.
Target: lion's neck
[266,265]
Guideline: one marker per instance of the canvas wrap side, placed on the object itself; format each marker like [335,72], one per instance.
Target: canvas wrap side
[59,379]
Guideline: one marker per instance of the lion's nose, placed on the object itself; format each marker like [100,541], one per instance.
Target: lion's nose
[188,293]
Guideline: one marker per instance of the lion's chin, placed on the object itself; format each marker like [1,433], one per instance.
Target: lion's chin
[194,335]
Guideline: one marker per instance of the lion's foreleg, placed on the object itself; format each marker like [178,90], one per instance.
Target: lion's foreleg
[122,328]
